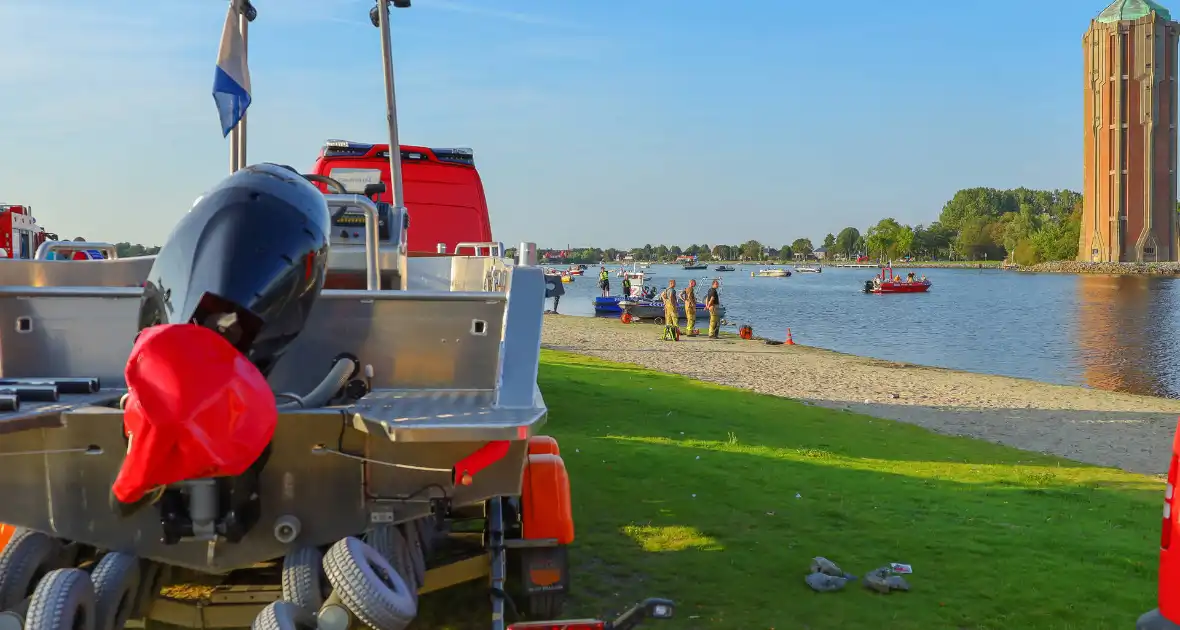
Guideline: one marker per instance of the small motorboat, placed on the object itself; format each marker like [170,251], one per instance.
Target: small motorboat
[694,266]
[809,269]
[724,268]
[888,283]
[654,310]
[771,273]
[609,305]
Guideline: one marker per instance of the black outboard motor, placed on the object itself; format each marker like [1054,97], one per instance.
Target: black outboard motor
[231,288]
[868,286]
[248,261]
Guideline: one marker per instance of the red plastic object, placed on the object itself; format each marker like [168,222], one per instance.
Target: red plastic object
[543,445]
[486,455]
[198,408]
[1169,589]
[547,511]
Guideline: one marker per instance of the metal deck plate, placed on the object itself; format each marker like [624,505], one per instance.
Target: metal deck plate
[47,415]
[443,415]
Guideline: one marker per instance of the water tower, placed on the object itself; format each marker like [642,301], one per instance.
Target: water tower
[1130,135]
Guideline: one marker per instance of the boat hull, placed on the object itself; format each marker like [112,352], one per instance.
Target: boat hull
[901,287]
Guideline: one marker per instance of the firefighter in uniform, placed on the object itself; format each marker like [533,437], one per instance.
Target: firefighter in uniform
[690,306]
[668,297]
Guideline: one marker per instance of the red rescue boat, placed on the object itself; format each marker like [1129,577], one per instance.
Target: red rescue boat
[888,283]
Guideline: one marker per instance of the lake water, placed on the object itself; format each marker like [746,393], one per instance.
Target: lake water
[1119,333]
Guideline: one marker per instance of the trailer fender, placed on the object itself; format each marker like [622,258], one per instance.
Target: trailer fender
[547,511]
[543,445]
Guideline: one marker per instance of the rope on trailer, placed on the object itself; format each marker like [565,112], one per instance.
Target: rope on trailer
[324,449]
[89,450]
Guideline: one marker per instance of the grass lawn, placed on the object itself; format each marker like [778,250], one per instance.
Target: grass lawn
[718,498]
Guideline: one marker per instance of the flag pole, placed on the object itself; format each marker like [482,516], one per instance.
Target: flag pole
[246,13]
[244,26]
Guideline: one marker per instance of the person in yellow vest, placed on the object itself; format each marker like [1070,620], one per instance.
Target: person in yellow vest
[604,282]
[668,297]
[690,306]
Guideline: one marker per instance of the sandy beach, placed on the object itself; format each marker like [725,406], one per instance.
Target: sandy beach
[1131,432]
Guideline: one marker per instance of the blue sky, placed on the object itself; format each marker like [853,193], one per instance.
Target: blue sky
[604,122]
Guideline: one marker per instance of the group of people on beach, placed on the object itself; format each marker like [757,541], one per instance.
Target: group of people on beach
[688,296]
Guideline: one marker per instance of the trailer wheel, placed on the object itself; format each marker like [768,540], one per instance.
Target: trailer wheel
[28,557]
[283,616]
[546,605]
[390,541]
[368,586]
[303,579]
[416,551]
[152,578]
[659,321]
[428,533]
[116,589]
[63,600]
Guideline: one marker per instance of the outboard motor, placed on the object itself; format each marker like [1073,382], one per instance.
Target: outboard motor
[868,286]
[229,291]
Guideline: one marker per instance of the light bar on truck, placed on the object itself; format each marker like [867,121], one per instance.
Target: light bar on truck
[456,156]
[348,148]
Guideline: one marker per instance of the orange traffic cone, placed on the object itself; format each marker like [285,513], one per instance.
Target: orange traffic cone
[790,342]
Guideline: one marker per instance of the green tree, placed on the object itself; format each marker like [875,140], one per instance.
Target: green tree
[977,203]
[785,253]
[847,241]
[975,240]
[881,239]
[903,241]
[802,246]
[127,250]
[752,250]
[829,242]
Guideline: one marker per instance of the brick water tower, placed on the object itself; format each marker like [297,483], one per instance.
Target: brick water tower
[1130,139]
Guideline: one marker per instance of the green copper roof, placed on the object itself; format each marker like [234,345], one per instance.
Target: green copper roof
[1131,10]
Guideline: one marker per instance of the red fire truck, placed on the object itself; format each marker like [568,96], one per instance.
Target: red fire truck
[19,233]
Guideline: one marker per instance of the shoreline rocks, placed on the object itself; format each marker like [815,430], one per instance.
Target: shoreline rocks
[1107,268]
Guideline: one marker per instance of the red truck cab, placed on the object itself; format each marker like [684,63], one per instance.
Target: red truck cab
[443,192]
[1167,616]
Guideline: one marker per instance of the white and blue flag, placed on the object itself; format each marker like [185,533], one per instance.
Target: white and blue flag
[231,81]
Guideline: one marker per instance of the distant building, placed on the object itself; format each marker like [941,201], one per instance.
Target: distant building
[820,253]
[1130,109]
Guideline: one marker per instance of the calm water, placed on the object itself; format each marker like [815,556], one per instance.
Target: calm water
[1108,332]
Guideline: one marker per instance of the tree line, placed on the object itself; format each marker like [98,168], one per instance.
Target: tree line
[1028,226]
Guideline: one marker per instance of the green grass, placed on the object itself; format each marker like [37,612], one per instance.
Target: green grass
[718,499]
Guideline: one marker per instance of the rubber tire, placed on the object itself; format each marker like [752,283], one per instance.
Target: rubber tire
[64,600]
[428,533]
[390,541]
[368,586]
[304,582]
[283,616]
[153,577]
[28,556]
[116,589]
[546,606]
[416,550]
